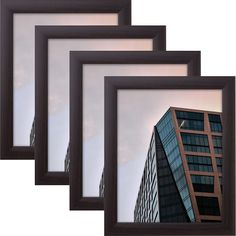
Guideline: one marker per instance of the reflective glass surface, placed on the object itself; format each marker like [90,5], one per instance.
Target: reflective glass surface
[195,142]
[166,131]
[221,183]
[219,163]
[147,205]
[208,206]
[190,120]
[202,183]
[215,123]
[199,163]
[102,185]
[217,142]
[170,202]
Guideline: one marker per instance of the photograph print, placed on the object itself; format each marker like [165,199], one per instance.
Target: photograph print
[53,46]
[87,110]
[169,155]
[170,161]
[17,26]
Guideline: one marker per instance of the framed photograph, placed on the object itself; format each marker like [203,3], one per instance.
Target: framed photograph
[169,156]
[53,44]
[87,71]
[18,20]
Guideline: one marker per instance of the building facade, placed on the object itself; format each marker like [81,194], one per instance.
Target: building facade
[182,178]
[67,157]
[101,185]
[67,160]
[32,134]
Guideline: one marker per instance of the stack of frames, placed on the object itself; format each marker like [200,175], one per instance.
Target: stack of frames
[101,106]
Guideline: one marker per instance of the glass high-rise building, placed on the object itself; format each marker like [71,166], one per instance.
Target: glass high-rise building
[182,177]
[32,135]
[67,160]
[102,185]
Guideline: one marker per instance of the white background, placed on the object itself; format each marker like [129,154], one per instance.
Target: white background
[206,25]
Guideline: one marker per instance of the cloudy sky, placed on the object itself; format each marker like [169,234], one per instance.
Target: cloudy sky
[24,28]
[138,112]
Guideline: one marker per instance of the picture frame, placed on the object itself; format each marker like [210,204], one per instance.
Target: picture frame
[155,34]
[112,85]
[77,60]
[8,9]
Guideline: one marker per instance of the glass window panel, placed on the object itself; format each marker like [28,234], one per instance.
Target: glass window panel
[195,142]
[219,163]
[199,163]
[202,183]
[215,123]
[208,205]
[217,142]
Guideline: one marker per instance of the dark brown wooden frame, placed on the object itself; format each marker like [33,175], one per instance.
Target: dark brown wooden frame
[8,8]
[112,85]
[77,59]
[43,34]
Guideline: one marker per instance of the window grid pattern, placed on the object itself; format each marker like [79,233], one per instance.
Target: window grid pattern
[147,205]
[162,195]
[221,183]
[217,143]
[204,163]
[203,183]
[170,203]
[195,142]
[168,139]
[219,163]
[199,163]
[190,120]
[208,205]
[215,123]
